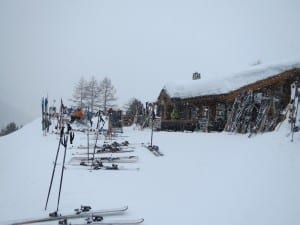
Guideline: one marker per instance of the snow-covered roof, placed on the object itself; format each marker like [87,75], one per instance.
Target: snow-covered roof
[194,88]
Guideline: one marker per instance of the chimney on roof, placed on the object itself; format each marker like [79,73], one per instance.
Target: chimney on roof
[196,76]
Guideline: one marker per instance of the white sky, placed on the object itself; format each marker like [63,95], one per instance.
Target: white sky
[46,46]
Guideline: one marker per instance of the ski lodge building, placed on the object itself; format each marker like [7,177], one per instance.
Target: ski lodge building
[251,101]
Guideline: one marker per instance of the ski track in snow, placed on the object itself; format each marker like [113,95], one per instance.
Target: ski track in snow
[215,178]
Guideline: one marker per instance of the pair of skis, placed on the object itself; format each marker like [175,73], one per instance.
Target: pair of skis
[104,152]
[109,159]
[154,149]
[100,166]
[92,217]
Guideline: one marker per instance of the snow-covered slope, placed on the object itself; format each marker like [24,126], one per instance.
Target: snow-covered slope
[192,88]
[204,178]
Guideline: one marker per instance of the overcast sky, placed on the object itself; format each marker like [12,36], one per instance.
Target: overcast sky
[46,46]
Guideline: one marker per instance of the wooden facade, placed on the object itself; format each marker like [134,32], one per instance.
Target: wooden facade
[213,112]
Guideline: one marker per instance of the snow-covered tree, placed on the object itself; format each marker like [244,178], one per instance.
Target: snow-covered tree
[107,94]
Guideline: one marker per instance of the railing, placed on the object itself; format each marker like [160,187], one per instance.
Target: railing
[178,125]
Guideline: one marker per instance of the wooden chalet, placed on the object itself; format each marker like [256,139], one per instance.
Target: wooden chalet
[247,102]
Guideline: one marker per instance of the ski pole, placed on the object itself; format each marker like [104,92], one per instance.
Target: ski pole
[153,118]
[65,144]
[97,129]
[88,143]
[53,171]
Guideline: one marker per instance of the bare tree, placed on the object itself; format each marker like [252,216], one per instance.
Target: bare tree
[107,94]
[93,94]
[80,93]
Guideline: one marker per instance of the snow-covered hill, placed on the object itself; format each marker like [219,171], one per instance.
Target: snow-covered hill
[204,178]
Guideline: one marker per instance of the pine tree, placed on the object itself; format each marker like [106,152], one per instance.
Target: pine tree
[107,94]
[134,107]
[11,127]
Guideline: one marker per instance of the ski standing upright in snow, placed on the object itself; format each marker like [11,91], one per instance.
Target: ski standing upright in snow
[45,116]
[152,114]
[293,111]
[98,129]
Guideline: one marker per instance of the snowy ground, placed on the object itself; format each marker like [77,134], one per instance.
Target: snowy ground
[211,179]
